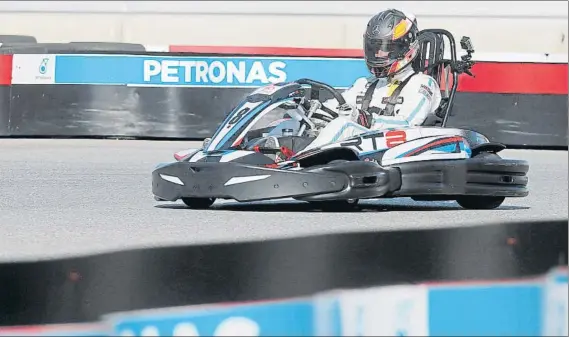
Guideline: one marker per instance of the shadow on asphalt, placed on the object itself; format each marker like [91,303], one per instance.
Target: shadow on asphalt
[363,206]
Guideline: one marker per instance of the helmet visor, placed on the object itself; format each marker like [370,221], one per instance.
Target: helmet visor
[381,53]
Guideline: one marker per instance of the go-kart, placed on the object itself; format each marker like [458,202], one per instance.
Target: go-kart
[429,163]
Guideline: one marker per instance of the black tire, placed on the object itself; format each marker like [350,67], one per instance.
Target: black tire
[336,205]
[344,205]
[198,203]
[487,155]
[479,202]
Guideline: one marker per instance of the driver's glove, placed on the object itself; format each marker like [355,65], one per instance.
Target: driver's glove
[318,123]
[348,111]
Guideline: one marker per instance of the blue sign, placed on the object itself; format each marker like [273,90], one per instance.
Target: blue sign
[203,71]
[490,310]
[290,318]
[509,309]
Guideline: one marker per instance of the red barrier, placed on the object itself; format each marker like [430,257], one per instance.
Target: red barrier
[516,78]
[5,69]
[273,51]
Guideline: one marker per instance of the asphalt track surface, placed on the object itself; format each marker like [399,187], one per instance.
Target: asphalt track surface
[64,197]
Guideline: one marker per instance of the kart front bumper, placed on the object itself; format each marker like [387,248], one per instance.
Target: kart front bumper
[348,180]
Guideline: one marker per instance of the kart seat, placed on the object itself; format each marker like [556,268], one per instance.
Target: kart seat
[431,61]
[436,118]
[432,120]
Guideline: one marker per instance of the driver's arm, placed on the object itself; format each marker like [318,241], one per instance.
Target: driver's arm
[350,95]
[422,97]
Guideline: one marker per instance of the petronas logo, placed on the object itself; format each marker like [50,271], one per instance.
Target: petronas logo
[43,66]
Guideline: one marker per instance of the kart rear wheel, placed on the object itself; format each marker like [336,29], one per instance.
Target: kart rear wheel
[479,202]
[198,203]
[336,205]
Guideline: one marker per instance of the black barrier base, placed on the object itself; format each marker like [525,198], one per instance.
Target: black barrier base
[514,119]
[83,289]
[195,113]
[5,93]
[83,110]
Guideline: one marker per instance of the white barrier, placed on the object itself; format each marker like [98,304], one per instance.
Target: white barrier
[497,26]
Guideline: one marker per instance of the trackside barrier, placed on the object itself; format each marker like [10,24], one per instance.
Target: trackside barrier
[514,99]
[536,307]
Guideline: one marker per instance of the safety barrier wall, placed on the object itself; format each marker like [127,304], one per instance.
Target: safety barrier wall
[371,284]
[515,99]
[510,308]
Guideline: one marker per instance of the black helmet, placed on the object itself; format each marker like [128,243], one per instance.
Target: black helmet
[390,42]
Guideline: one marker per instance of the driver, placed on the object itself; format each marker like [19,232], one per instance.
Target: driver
[390,46]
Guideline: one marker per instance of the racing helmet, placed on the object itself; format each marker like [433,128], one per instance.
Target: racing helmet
[390,42]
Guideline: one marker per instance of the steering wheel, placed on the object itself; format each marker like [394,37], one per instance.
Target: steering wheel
[335,93]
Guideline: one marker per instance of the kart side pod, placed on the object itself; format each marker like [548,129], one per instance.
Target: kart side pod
[428,148]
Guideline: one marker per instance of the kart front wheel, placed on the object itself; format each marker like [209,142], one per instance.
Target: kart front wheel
[336,205]
[479,202]
[198,203]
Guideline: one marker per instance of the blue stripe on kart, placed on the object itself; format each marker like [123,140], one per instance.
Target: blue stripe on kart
[465,148]
[345,127]
[362,154]
[251,114]
[227,118]
[448,148]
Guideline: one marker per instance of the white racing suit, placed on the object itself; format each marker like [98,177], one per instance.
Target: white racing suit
[420,97]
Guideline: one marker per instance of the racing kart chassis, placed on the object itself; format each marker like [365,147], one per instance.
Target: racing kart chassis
[430,162]
[479,182]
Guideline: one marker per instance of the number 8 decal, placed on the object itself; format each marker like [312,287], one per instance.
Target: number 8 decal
[238,116]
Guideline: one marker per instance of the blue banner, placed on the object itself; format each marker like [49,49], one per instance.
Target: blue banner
[203,71]
[288,318]
[512,309]
[486,310]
